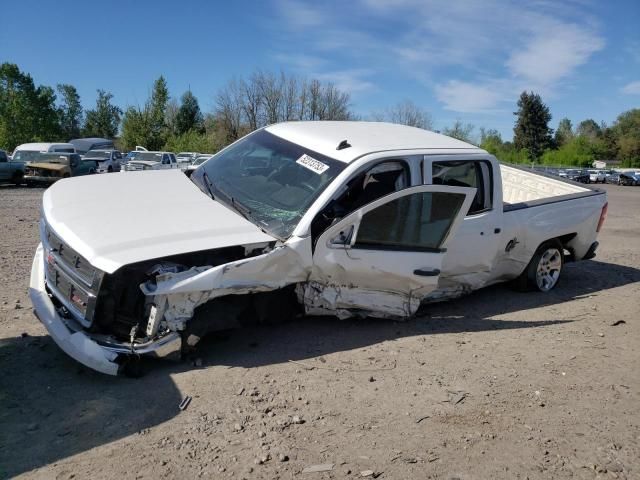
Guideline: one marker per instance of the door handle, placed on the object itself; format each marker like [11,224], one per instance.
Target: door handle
[427,273]
[497,230]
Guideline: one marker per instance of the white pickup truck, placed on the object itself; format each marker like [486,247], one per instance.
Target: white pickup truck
[334,218]
[151,161]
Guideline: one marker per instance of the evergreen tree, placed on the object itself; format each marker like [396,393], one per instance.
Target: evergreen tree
[104,120]
[69,111]
[189,116]
[156,111]
[532,132]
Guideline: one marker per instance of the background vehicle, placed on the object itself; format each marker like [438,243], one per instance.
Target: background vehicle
[108,160]
[51,167]
[597,176]
[196,163]
[185,159]
[83,145]
[628,179]
[151,161]
[328,218]
[613,177]
[580,176]
[28,152]
[10,171]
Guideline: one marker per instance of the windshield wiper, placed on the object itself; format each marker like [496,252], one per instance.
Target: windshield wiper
[207,184]
[241,209]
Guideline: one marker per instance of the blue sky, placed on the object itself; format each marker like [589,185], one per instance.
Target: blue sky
[465,59]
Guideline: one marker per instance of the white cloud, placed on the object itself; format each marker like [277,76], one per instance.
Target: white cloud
[467,97]
[352,81]
[632,88]
[299,15]
[483,54]
[554,53]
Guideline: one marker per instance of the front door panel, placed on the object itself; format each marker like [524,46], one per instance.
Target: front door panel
[385,257]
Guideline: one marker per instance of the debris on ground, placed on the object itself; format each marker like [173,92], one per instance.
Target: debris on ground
[323,467]
[185,403]
[617,322]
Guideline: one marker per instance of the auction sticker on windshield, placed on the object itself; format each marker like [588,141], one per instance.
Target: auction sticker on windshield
[312,164]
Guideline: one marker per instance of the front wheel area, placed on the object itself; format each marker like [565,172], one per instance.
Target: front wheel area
[544,270]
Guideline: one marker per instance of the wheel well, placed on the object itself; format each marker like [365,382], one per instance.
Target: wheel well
[569,254]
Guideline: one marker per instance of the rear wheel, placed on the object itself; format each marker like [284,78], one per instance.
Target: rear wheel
[544,269]
[110,169]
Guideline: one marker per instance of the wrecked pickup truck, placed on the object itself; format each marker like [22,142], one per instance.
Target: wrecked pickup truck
[330,218]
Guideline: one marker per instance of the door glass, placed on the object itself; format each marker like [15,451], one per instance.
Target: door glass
[419,222]
[466,174]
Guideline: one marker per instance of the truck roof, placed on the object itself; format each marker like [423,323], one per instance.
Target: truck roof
[41,146]
[363,138]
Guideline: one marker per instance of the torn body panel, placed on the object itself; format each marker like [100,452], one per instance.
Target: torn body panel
[177,295]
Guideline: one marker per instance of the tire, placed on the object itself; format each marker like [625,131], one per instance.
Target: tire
[110,170]
[17,178]
[544,270]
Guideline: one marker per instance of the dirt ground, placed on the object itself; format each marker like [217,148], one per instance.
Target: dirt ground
[498,384]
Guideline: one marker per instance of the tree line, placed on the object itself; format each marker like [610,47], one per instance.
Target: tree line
[535,141]
[41,113]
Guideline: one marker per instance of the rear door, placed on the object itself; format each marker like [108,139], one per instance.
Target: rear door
[385,257]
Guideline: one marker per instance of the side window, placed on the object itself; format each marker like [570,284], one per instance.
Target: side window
[165,159]
[380,180]
[476,174]
[173,158]
[3,156]
[417,222]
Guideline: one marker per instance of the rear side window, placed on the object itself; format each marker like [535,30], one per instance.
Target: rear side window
[475,174]
[416,222]
[3,156]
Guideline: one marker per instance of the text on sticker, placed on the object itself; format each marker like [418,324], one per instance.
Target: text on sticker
[312,164]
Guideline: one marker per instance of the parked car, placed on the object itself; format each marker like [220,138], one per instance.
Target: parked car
[10,171]
[597,176]
[200,159]
[51,167]
[186,158]
[27,152]
[628,179]
[84,145]
[347,219]
[578,176]
[108,160]
[151,161]
[613,177]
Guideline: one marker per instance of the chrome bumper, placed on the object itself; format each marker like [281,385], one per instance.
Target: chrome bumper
[100,354]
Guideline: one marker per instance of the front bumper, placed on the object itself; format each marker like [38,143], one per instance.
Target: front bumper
[40,179]
[100,355]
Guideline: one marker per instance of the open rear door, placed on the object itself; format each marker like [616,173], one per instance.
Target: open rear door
[382,259]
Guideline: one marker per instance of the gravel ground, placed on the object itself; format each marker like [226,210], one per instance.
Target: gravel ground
[498,384]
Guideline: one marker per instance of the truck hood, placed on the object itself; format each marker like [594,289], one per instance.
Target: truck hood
[49,166]
[115,220]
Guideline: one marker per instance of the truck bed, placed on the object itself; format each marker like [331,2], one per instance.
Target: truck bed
[523,188]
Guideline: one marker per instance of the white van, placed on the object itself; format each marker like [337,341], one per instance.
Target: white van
[28,152]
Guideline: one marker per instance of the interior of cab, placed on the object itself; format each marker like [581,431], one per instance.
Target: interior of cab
[362,189]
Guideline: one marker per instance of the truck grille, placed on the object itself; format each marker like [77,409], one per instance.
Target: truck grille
[71,278]
[132,167]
